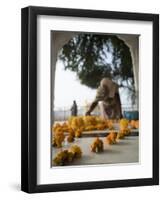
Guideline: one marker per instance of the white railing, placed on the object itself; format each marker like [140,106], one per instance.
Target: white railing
[62,114]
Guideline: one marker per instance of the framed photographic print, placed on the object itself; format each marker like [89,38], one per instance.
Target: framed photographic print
[90,99]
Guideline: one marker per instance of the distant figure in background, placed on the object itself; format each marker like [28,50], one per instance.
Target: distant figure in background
[109,100]
[74,109]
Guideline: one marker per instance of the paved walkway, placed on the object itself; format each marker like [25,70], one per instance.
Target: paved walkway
[126,151]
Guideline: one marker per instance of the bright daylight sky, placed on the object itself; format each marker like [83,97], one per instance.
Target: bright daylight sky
[68,88]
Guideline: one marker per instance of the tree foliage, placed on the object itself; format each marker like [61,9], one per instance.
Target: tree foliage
[93,56]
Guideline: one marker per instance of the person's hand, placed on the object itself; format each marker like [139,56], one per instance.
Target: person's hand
[87,113]
[121,116]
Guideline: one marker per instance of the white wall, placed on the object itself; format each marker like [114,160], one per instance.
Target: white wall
[10,99]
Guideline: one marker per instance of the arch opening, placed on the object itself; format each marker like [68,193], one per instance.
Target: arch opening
[63,44]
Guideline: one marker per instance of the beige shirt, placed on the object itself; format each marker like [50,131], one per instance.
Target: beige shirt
[107,95]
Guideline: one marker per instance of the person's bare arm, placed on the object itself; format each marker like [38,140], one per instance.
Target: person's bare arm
[92,107]
[100,96]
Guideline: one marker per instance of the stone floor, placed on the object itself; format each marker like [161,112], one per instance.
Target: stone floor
[125,151]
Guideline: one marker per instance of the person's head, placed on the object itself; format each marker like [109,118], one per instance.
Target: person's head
[110,86]
[74,102]
[106,82]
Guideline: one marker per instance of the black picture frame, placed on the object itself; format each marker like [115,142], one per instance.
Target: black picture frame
[29,99]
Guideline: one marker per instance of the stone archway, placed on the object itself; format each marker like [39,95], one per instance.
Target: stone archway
[132,41]
[59,39]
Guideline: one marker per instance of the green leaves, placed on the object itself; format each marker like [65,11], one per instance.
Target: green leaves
[93,57]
